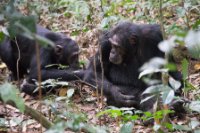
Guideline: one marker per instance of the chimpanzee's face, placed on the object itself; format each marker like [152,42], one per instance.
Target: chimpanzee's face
[68,53]
[117,52]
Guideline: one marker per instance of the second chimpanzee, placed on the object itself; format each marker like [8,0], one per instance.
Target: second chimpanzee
[124,49]
[65,52]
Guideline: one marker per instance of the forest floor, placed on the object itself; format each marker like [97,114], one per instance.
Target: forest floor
[84,101]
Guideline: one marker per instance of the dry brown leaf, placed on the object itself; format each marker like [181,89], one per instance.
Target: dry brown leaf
[197,66]
[62,91]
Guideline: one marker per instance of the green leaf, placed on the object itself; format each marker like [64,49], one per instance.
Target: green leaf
[75,32]
[103,112]
[9,92]
[1,17]
[70,93]
[168,126]
[182,127]
[127,127]
[94,129]
[194,124]
[16,23]
[174,84]
[113,112]
[151,71]
[153,89]
[180,11]
[147,98]
[196,25]
[61,99]
[187,5]
[171,66]
[154,63]
[134,117]
[107,21]
[31,35]
[1,36]
[195,106]
[185,65]
[167,45]
[156,127]
[197,131]
[3,122]
[168,96]
[57,128]
[116,113]
[126,108]
[44,41]
[192,42]
[148,114]
[62,83]
[5,31]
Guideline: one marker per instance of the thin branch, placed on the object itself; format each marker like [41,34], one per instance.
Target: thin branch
[39,75]
[18,59]
[101,6]
[38,117]
[95,74]
[187,14]
[165,77]
[102,76]
[17,63]
[161,20]
[34,114]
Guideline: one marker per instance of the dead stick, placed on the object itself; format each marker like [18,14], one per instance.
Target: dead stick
[34,114]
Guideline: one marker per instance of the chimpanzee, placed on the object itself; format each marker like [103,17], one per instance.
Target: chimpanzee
[65,52]
[123,50]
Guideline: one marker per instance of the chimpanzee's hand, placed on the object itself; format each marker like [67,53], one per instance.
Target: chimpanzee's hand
[119,99]
[28,88]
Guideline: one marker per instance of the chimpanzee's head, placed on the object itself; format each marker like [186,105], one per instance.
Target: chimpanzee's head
[124,39]
[66,50]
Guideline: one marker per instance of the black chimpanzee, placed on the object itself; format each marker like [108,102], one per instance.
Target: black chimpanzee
[65,52]
[124,49]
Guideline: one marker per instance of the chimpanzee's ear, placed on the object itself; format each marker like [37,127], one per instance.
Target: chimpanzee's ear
[133,39]
[58,49]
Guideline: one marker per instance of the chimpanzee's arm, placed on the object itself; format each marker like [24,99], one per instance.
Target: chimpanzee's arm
[96,80]
[48,57]
[113,93]
[64,75]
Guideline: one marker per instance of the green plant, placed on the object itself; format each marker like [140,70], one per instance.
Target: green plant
[164,92]
[9,93]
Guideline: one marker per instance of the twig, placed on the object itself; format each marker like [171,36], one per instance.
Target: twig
[161,20]
[101,6]
[18,59]
[38,117]
[165,78]
[90,85]
[17,64]
[186,16]
[34,114]
[39,75]
[102,76]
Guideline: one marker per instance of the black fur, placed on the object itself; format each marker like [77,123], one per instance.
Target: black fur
[121,85]
[68,56]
